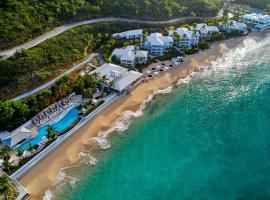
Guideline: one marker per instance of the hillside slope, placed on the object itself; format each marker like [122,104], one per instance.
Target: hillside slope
[22,20]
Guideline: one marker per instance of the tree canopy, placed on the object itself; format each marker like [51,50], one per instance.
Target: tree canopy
[22,20]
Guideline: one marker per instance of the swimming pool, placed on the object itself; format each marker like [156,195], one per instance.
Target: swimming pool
[60,125]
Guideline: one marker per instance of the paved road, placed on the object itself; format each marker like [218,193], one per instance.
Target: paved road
[7,53]
[50,83]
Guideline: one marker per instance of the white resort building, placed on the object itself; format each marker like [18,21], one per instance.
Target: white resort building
[188,38]
[23,133]
[158,44]
[122,78]
[256,21]
[233,26]
[205,30]
[132,34]
[130,56]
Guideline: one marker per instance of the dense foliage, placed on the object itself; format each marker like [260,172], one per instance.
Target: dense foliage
[24,19]
[6,188]
[15,113]
[45,61]
[263,4]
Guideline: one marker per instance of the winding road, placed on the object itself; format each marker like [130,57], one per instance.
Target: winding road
[56,31]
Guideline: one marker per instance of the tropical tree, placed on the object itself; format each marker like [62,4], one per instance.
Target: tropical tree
[96,76]
[194,25]
[104,79]
[111,84]
[50,131]
[7,166]
[5,188]
[176,37]
[4,152]
[30,147]
[19,152]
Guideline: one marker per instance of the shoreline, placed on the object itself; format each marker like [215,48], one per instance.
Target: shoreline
[42,176]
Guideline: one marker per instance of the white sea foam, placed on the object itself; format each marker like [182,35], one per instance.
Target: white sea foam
[48,195]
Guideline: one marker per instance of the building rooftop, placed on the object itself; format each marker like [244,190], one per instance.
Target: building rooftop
[128,33]
[129,53]
[184,32]
[255,16]
[158,39]
[204,28]
[234,25]
[121,76]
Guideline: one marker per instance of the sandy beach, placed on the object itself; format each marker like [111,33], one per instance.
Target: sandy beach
[43,175]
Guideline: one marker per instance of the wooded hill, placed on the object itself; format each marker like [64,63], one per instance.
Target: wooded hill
[22,20]
[262,4]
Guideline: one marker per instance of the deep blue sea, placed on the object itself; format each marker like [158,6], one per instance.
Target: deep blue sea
[209,139]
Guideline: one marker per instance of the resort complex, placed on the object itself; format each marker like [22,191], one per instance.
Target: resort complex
[256,21]
[120,79]
[157,44]
[132,57]
[131,34]
[233,26]
[188,38]
[205,30]
[32,131]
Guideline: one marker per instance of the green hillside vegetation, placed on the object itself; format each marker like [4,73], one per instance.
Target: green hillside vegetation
[262,4]
[22,20]
[15,113]
[33,66]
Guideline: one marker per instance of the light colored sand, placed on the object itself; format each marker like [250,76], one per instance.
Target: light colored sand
[44,174]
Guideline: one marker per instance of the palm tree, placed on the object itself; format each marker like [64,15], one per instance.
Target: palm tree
[104,79]
[7,166]
[96,76]
[111,84]
[30,147]
[194,25]
[176,37]
[19,152]
[5,187]
[4,151]
[50,131]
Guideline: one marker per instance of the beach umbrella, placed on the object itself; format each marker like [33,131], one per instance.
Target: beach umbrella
[156,73]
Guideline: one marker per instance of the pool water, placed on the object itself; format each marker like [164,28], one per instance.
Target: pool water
[62,124]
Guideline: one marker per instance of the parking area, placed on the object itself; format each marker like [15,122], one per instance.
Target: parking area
[157,68]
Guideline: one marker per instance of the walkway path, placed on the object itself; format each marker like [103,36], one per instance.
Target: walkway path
[108,100]
[7,53]
[50,83]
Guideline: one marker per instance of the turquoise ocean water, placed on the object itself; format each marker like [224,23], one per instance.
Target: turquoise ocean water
[208,139]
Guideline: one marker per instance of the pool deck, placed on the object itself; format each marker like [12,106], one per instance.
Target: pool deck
[108,100]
